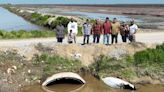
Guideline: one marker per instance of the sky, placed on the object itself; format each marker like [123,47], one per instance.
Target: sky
[82,1]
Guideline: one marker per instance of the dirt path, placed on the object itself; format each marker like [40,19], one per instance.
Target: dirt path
[153,38]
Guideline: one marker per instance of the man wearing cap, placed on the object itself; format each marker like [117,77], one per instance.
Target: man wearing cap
[106,31]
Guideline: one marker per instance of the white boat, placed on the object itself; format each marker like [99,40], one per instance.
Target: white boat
[118,83]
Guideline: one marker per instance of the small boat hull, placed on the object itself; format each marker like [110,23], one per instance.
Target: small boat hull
[118,83]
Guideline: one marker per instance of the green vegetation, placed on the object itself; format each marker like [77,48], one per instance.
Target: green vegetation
[62,20]
[149,62]
[42,20]
[106,66]
[39,19]
[92,21]
[150,56]
[25,34]
[54,64]
[80,33]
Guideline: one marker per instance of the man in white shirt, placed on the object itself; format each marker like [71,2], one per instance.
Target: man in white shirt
[132,31]
[72,25]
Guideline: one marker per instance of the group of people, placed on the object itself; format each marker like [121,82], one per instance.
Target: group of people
[107,29]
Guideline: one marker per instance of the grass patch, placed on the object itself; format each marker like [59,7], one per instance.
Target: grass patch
[149,62]
[25,34]
[150,57]
[39,19]
[62,20]
[106,66]
[55,63]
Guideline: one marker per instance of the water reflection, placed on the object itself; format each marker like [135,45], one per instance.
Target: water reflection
[68,88]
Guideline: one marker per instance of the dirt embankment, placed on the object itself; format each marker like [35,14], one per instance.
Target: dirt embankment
[86,54]
[20,69]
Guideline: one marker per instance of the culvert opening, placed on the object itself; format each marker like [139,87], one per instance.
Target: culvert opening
[65,81]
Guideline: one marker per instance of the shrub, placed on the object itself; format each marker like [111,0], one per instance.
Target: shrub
[80,31]
[92,21]
[35,15]
[39,19]
[150,56]
[106,66]
[62,20]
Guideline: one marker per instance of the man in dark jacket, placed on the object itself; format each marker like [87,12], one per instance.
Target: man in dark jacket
[60,33]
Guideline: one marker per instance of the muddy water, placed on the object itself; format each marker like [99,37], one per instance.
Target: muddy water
[92,85]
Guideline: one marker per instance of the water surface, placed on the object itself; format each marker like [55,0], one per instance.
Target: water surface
[101,16]
[91,15]
[92,85]
[10,21]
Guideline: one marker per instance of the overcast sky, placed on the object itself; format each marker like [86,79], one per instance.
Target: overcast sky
[83,1]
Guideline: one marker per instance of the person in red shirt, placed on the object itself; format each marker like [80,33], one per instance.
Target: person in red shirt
[96,31]
[106,31]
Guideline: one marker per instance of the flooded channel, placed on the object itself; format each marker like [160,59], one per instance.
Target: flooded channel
[92,85]
[91,15]
[10,21]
